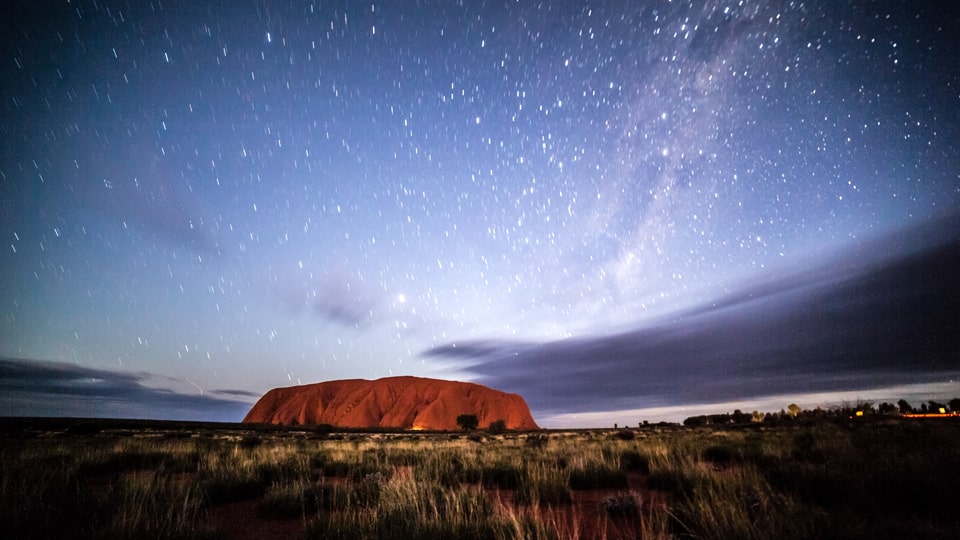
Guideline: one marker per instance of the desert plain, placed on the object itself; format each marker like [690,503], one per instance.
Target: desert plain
[833,476]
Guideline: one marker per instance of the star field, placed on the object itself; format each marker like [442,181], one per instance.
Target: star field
[232,197]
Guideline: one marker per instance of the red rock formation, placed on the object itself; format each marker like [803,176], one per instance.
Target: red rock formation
[393,402]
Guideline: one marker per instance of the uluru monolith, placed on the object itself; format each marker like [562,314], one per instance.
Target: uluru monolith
[392,402]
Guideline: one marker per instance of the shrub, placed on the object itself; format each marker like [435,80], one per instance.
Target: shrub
[497,426]
[249,442]
[475,437]
[468,422]
[536,442]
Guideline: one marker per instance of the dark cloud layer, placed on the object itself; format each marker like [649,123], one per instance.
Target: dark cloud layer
[860,320]
[36,388]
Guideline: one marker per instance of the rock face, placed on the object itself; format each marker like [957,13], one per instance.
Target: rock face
[393,402]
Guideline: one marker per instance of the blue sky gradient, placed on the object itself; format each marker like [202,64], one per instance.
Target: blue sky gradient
[600,207]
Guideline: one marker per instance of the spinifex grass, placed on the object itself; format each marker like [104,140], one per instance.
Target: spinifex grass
[825,480]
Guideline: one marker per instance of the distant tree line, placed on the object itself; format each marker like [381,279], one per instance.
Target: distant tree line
[793,412]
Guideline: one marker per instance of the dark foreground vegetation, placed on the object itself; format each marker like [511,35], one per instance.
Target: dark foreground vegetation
[879,477]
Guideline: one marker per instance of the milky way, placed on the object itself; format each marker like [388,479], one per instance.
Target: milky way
[226,197]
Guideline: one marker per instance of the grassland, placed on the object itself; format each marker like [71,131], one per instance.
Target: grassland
[832,479]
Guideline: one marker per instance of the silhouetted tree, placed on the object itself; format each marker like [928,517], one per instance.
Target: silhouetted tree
[497,426]
[468,422]
[936,407]
[905,407]
[886,408]
[793,409]
[955,404]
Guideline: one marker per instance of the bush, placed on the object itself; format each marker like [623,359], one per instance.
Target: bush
[249,442]
[497,426]
[468,422]
[536,442]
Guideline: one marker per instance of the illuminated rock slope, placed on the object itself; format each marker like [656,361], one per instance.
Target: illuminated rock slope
[393,402]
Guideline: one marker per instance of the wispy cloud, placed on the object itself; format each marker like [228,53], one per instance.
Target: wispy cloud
[38,388]
[145,191]
[886,315]
[334,298]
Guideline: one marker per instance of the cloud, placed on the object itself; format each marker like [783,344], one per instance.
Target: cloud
[887,314]
[38,388]
[334,298]
[145,191]
[239,393]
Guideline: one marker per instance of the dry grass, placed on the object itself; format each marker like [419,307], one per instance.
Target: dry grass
[825,480]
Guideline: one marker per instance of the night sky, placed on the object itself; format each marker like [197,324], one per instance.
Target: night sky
[645,207]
